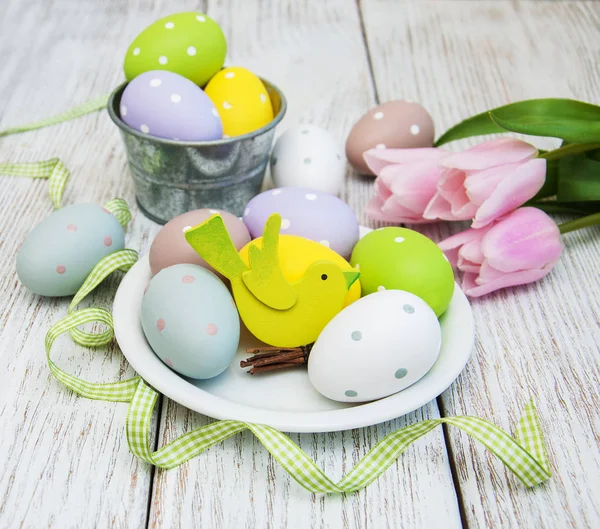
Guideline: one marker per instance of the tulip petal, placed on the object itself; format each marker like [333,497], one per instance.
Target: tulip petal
[468,282]
[381,189]
[452,245]
[525,239]
[490,154]
[506,280]
[390,173]
[449,182]
[374,209]
[438,208]
[480,185]
[513,191]
[465,265]
[471,251]
[415,187]
[377,159]
[392,207]
[462,207]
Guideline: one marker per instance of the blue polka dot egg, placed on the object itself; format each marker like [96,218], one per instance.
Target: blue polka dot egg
[379,345]
[190,321]
[61,251]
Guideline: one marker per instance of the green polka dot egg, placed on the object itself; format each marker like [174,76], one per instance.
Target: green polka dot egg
[189,44]
[403,259]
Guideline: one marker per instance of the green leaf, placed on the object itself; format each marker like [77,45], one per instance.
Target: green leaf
[578,179]
[593,155]
[550,187]
[578,224]
[574,208]
[573,121]
[569,150]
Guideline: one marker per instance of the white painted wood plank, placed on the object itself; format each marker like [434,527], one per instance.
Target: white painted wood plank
[543,340]
[316,54]
[65,460]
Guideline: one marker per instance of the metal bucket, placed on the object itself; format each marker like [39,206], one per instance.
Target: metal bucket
[173,177]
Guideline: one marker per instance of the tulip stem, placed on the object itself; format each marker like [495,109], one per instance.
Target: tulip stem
[578,224]
[569,150]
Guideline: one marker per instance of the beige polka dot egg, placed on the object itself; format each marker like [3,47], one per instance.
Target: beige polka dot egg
[393,125]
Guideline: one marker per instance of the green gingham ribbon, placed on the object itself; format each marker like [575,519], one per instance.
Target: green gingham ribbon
[54,170]
[121,260]
[93,105]
[517,456]
[525,455]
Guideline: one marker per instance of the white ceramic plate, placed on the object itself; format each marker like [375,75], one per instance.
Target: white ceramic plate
[285,399]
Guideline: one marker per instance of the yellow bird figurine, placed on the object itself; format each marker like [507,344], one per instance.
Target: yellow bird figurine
[277,312]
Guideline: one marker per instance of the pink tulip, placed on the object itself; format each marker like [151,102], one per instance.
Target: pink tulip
[487,181]
[406,182]
[519,248]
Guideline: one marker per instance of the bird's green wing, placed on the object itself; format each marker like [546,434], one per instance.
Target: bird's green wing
[265,279]
[212,242]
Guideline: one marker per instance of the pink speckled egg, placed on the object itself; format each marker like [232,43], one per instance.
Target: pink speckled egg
[170,247]
[393,125]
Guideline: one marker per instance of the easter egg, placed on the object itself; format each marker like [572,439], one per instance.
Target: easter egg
[311,214]
[393,125]
[241,100]
[170,247]
[189,44]
[403,259]
[296,254]
[190,321]
[167,105]
[308,156]
[61,251]
[376,347]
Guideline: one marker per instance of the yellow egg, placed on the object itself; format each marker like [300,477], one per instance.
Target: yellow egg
[241,100]
[296,254]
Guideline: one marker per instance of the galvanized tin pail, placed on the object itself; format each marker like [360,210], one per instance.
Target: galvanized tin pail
[173,177]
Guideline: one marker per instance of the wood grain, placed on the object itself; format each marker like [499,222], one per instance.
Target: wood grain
[65,461]
[307,51]
[543,340]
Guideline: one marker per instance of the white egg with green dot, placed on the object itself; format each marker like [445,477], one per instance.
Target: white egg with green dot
[378,346]
[308,156]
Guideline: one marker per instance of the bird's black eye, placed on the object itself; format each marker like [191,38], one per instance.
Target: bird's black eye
[324,277]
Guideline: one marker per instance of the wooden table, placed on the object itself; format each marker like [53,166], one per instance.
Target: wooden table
[65,461]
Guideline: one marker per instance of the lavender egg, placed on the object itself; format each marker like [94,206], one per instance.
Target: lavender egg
[308,213]
[166,105]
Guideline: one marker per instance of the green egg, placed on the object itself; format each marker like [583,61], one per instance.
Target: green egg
[403,259]
[189,44]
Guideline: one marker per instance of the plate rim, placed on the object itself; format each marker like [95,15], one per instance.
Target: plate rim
[196,399]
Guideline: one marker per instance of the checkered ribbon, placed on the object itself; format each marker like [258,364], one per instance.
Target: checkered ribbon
[520,458]
[54,170]
[93,105]
[122,260]
[58,175]
[525,455]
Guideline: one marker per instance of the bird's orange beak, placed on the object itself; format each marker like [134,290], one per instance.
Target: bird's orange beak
[351,276]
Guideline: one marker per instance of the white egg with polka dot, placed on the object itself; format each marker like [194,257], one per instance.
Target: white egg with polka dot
[378,346]
[308,156]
